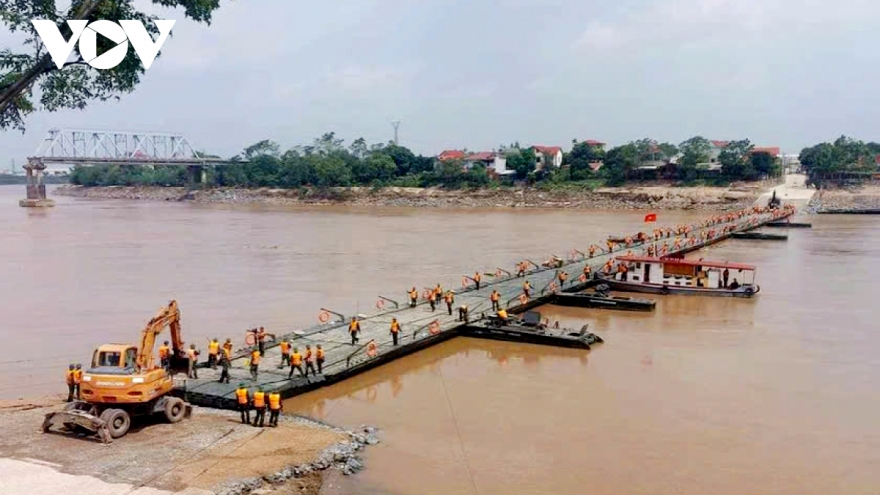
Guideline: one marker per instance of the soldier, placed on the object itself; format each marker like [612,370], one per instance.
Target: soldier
[259,407]
[243,399]
[310,360]
[275,406]
[224,368]
[319,358]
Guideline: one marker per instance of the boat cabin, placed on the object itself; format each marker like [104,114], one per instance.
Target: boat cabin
[697,273]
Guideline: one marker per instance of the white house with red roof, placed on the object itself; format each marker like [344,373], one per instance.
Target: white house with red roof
[547,156]
[493,161]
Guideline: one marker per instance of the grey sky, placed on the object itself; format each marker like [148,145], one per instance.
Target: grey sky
[478,73]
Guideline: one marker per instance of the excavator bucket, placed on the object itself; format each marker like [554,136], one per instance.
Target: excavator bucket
[78,416]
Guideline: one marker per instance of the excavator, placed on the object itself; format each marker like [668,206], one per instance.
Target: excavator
[124,381]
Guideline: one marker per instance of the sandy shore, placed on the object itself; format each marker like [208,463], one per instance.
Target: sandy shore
[211,453]
[658,197]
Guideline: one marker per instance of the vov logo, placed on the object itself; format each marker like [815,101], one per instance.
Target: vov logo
[121,34]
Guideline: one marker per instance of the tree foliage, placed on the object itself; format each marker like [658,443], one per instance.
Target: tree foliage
[694,151]
[736,160]
[843,155]
[579,159]
[77,83]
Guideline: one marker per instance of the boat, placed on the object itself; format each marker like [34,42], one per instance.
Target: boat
[603,300]
[530,330]
[683,276]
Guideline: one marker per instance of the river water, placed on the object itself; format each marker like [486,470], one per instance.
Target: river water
[775,395]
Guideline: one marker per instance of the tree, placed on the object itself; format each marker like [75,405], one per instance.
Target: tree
[579,159]
[764,165]
[694,151]
[404,159]
[619,162]
[843,155]
[521,161]
[265,147]
[736,162]
[77,83]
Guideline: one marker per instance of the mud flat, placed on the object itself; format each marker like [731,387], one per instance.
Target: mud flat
[211,453]
[660,197]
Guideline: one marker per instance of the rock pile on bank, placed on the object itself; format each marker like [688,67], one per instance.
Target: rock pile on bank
[656,197]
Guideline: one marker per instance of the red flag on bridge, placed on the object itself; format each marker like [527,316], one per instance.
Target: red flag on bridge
[650,217]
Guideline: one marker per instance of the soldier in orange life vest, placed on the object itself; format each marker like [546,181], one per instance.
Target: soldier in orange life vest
[526,288]
[193,357]
[285,354]
[521,269]
[354,328]
[275,406]
[495,297]
[77,379]
[242,396]
[259,407]
[450,299]
[224,368]
[562,278]
[310,360]
[432,300]
[296,363]
[587,271]
[227,349]
[395,329]
[319,358]
[71,382]
[255,364]
[213,352]
[477,279]
[165,356]
[413,297]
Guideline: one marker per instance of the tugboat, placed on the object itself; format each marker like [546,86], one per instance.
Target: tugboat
[683,276]
[530,330]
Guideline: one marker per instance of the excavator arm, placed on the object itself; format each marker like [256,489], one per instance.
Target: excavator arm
[168,316]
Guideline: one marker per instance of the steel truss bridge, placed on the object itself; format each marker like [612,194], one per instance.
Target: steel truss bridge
[69,146]
[83,147]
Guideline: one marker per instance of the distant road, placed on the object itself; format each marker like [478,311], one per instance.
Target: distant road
[793,191]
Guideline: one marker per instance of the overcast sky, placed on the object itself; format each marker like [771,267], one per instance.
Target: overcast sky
[478,73]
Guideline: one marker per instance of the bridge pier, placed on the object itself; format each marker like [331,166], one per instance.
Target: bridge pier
[36,188]
[196,176]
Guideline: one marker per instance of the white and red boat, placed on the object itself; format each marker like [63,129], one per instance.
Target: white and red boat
[683,276]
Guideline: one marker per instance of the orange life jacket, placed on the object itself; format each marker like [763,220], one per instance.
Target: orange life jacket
[296,358]
[320,354]
[309,356]
[242,395]
[274,401]
[255,357]
[71,377]
[77,376]
[494,296]
[259,400]
[214,348]
[163,351]
[395,327]
[285,347]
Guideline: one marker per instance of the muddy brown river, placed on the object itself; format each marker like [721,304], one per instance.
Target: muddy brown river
[776,395]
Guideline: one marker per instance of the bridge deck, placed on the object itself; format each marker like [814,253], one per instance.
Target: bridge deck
[344,360]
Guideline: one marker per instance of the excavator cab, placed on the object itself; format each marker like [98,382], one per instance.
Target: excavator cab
[114,359]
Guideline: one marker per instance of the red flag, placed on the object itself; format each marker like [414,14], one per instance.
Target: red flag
[650,217]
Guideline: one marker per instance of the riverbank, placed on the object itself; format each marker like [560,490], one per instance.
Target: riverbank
[211,453]
[656,197]
[865,197]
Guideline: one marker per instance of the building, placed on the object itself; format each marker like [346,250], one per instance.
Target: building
[596,144]
[451,155]
[547,156]
[773,151]
[715,149]
[493,161]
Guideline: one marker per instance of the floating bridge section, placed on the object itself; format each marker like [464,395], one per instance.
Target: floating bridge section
[420,327]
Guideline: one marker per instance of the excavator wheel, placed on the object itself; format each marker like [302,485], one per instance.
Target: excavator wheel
[118,422]
[175,409]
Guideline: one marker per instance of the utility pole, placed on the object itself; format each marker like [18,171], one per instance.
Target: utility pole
[396,125]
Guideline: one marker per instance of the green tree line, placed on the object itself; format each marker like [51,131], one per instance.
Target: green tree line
[329,162]
[827,162]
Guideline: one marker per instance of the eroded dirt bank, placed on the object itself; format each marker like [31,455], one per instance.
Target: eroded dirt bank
[644,197]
